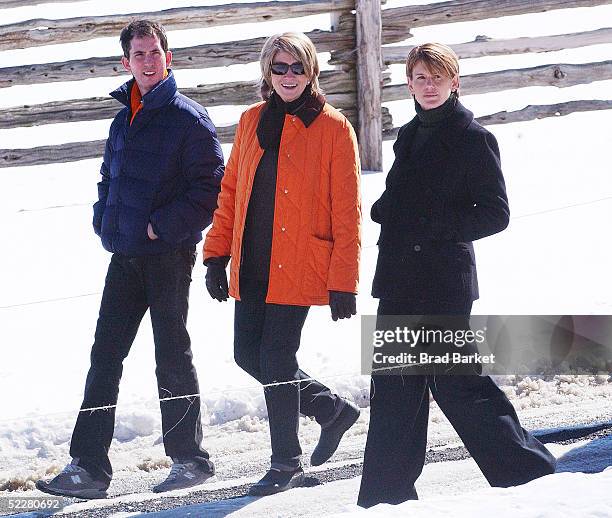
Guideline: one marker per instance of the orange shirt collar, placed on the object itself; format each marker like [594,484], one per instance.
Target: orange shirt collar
[136,98]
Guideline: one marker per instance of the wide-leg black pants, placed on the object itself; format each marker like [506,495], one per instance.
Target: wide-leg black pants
[480,412]
[133,285]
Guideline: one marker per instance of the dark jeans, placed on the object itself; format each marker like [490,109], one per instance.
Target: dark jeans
[480,412]
[266,340]
[161,284]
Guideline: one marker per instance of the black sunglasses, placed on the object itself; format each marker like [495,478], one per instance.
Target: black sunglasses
[280,69]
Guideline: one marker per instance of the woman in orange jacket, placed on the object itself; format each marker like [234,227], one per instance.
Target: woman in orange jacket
[289,218]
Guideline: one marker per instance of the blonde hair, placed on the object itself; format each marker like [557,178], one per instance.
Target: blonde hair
[436,57]
[300,47]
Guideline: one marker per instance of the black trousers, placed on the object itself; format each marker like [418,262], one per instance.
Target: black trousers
[133,285]
[266,340]
[480,412]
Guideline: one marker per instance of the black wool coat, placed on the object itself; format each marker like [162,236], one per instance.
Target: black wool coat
[450,193]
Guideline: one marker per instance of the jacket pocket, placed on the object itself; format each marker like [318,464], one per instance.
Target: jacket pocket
[316,266]
[456,255]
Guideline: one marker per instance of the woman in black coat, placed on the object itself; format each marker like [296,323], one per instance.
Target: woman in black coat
[444,190]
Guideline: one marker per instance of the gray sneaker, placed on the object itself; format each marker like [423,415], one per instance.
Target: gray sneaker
[74,481]
[184,474]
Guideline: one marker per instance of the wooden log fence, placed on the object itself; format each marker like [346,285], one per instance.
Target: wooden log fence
[74,151]
[200,56]
[85,150]
[338,86]
[32,33]
[359,97]
[395,20]
[369,84]
[223,54]
[339,83]
[247,51]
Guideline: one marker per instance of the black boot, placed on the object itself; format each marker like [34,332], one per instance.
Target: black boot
[333,432]
[276,481]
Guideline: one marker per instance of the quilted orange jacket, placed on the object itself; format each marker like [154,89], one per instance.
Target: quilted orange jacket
[317,219]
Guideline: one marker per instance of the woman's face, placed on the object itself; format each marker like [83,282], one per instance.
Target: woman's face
[289,86]
[431,88]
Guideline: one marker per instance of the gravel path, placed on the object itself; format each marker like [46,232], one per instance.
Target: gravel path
[349,470]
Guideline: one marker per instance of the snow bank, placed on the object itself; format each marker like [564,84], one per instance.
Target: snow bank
[562,494]
[236,424]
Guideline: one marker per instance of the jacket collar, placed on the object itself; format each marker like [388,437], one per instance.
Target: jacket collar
[307,109]
[159,96]
[272,117]
[441,142]
[311,109]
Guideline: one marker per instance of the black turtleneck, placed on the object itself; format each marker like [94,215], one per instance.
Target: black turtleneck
[257,236]
[431,121]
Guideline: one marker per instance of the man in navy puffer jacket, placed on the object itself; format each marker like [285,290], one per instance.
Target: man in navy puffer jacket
[161,175]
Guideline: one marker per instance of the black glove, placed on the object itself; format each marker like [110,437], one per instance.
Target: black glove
[342,304]
[216,278]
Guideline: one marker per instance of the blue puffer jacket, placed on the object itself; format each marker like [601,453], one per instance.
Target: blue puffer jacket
[164,169]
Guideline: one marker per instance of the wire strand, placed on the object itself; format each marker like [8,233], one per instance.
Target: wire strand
[528,215]
[242,388]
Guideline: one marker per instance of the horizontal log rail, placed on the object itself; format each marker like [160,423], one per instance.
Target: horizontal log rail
[99,108]
[200,56]
[529,113]
[561,76]
[84,150]
[74,151]
[45,32]
[340,42]
[219,94]
[339,85]
[31,33]
[413,16]
[533,112]
[484,46]
[11,4]
[397,21]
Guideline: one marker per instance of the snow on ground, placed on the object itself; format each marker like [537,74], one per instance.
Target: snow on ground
[536,266]
[579,489]
[551,260]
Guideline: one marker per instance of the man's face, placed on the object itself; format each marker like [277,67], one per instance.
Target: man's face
[147,63]
[431,88]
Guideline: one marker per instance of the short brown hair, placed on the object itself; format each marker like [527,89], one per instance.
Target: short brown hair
[142,29]
[436,57]
[300,47]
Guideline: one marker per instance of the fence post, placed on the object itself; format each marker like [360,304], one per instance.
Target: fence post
[369,83]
